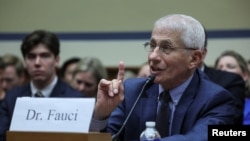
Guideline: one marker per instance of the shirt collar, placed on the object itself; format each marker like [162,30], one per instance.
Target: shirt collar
[202,67]
[45,91]
[177,92]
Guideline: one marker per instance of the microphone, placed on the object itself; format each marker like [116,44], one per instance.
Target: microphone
[149,81]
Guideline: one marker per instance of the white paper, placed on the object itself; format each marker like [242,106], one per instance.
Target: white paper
[53,114]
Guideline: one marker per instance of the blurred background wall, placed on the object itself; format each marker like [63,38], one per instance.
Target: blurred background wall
[115,30]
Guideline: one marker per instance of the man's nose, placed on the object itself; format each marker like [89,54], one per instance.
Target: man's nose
[82,87]
[155,53]
[38,60]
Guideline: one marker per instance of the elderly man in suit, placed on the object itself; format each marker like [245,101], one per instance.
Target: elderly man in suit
[195,102]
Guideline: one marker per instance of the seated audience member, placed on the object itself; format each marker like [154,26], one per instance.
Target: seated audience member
[87,74]
[230,81]
[144,70]
[232,61]
[67,69]
[195,102]
[14,72]
[40,50]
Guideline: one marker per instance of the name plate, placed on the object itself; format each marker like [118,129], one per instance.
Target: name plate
[52,114]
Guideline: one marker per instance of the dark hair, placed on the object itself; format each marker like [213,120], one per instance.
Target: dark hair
[37,37]
[67,63]
[2,65]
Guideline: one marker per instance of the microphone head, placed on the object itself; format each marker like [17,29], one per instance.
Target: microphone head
[150,78]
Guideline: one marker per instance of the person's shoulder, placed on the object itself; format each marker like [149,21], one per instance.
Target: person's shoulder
[220,73]
[223,78]
[209,86]
[209,91]
[137,81]
[135,85]
[19,91]
[68,90]
[231,75]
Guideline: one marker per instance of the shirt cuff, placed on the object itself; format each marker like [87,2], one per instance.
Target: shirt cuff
[97,125]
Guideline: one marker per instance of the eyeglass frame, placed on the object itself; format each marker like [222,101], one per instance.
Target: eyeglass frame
[165,50]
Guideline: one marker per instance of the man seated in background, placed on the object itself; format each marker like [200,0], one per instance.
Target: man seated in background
[40,50]
[14,74]
[230,81]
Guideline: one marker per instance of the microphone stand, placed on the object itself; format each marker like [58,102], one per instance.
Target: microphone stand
[148,82]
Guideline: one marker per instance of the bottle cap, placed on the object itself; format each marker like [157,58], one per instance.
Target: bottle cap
[150,123]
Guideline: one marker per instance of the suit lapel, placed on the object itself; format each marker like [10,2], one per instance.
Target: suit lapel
[184,103]
[58,90]
[27,91]
[148,104]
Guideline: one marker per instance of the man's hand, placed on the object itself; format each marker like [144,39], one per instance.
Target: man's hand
[109,95]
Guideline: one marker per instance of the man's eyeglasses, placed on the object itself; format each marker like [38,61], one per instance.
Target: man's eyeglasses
[164,48]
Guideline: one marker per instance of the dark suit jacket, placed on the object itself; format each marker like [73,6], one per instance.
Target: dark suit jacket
[233,83]
[203,103]
[6,109]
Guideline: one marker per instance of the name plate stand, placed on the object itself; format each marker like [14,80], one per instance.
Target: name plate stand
[50,119]
[57,136]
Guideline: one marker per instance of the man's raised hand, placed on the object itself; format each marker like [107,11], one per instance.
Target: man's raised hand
[110,94]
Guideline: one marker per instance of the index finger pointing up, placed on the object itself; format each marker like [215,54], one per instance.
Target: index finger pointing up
[121,71]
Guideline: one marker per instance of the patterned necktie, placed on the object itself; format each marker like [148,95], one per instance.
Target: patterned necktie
[163,116]
[39,94]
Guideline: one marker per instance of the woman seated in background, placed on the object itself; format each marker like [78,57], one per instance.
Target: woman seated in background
[67,69]
[85,78]
[232,61]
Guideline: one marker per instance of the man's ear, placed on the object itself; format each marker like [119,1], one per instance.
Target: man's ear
[57,58]
[196,58]
[204,53]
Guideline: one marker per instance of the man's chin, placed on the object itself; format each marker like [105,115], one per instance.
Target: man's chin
[38,80]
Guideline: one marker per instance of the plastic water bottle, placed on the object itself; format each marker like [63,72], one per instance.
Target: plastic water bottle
[150,133]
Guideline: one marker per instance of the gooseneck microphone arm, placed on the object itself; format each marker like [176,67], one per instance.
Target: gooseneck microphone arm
[148,83]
